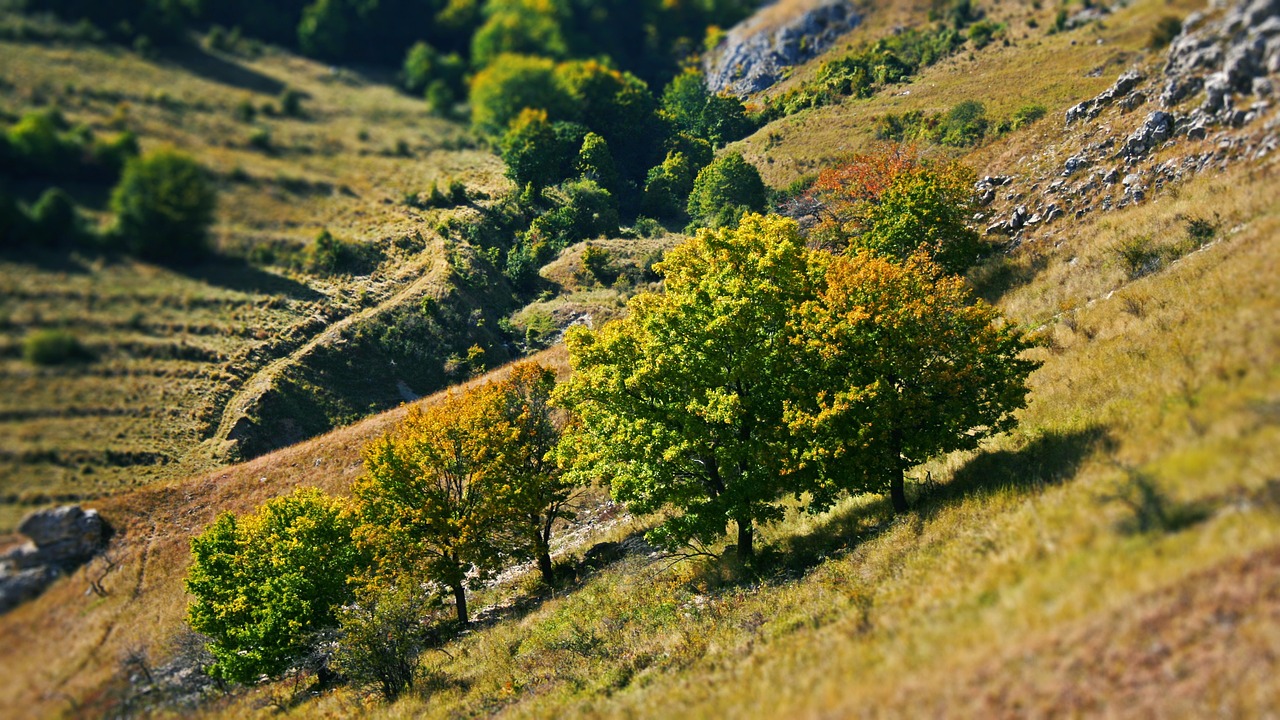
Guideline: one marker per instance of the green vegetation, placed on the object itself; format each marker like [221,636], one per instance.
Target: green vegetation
[164,206]
[52,347]
[265,583]
[724,191]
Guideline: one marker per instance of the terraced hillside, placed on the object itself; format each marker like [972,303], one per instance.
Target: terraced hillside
[181,356]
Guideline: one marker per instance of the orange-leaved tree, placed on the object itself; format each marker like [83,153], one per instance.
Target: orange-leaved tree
[895,202]
[459,485]
[905,367]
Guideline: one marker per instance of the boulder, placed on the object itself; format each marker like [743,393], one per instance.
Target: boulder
[65,535]
[755,52]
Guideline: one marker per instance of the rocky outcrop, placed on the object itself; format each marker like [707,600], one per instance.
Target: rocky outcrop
[755,52]
[61,540]
[1213,106]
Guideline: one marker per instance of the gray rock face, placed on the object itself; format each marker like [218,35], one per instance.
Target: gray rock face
[1090,109]
[1157,128]
[61,540]
[756,51]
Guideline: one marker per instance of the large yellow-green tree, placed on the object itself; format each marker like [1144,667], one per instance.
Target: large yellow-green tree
[682,403]
[460,485]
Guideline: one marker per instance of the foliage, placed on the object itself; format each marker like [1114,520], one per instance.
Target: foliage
[264,583]
[42,145]
[511,84]
[588,211]
[595,162]
[983,32]
[518,27]
[689,108]
[905,368]
[537,151]
[55,221]
[425,67]
[52,347]
[862,72]
[428,500]
[382,634]
[1163,32]
[164,206]
[724,191]
[895,203]
[682,402]
[965,124]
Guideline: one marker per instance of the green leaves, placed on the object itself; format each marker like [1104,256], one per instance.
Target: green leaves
[264,583]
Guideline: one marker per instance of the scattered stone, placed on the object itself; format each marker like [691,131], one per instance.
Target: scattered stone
[1074,164]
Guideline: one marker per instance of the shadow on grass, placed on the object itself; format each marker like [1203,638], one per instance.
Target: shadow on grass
[196,60]
[1050,458]
[1002,273]
[235,274]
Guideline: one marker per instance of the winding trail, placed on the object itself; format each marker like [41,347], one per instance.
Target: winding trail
[261,382]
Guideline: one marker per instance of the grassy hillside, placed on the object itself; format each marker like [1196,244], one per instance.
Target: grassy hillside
[1118,554]
[183,355]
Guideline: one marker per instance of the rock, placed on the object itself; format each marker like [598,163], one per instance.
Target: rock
[61,539]
[1157,128]
[1074,164]
[64,535]
[756,51]
[1111,177]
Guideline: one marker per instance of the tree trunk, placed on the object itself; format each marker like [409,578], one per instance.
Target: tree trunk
[460,597]
[897,483]
[543,550]
[746,537]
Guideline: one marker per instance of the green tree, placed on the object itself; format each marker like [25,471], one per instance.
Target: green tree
[724,191]
[510,84]
[587,211]
[667,189]
[905,367]
[164,205]
[595,162]
[325,29]
[55,220]
[682,403]
[518,27]
[262,585]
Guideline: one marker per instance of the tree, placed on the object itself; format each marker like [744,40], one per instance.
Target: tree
[429,500]
[521,28]
[263,584]
[724,191]
[164,205]
[595,162]
[904,367]
[896,203]
[587,211]
[682,402]
[532,151]
[510,84]
[523,443]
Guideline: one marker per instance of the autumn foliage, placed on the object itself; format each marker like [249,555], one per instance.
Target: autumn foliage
[895,203]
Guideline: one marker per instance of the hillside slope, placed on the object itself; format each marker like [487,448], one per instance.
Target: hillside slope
[1118,554]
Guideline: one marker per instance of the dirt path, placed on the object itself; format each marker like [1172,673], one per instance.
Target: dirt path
[261,382]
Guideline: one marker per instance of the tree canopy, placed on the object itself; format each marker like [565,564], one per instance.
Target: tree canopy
[682,402]
[164,205]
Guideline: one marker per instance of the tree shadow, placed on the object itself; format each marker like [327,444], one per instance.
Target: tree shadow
[1003,273]
[1049,459]
[235,274]
[197,60]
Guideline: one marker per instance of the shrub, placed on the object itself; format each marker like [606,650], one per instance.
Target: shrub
[55,219]
[724,191]
[1026,115]
[260,139]
[982,33]
[597,262]
[1165,30]
[245,111]
[52,347]
[1138,255]
[382,635]
[164,205]
[588,211]
[264,584]
[291,103]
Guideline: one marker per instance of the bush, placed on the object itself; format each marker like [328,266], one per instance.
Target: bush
[264,584]
[55,219]
[982,33]
[52,347]
[1026,115]
[164,205]
[588,211]
[382,635]
[291,103]
[724,191]
[1165,30]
